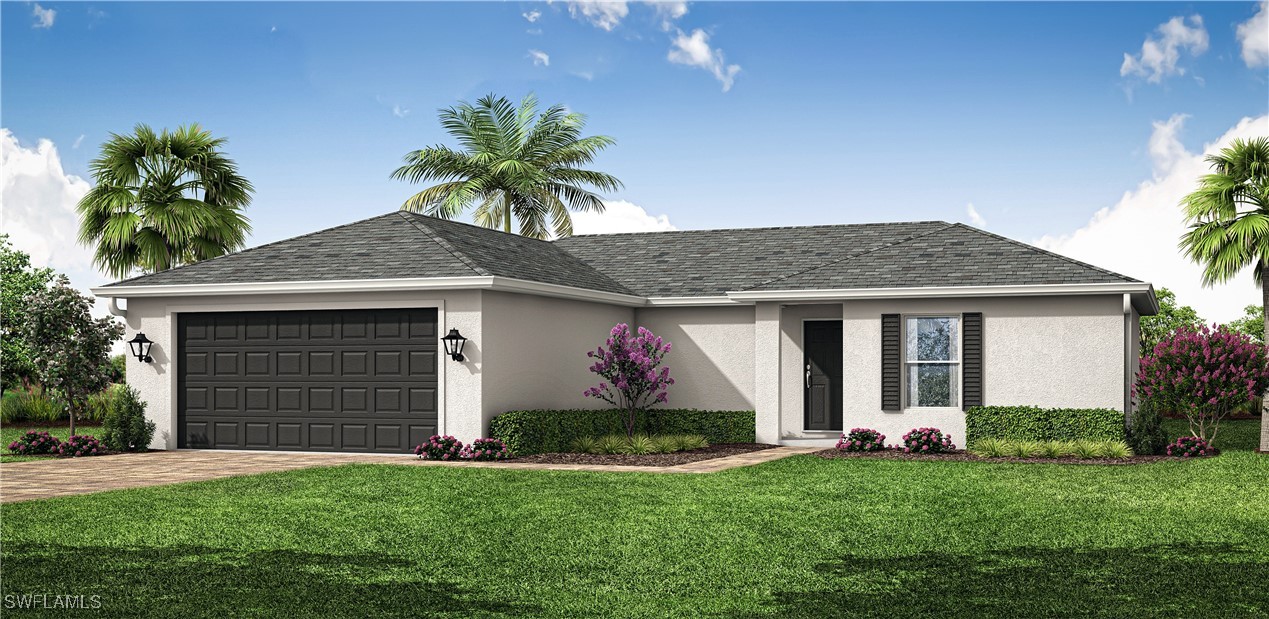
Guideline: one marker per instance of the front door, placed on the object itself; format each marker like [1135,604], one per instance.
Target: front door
[822,374]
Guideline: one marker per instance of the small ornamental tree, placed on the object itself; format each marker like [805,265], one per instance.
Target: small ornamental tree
[630,365]
[1204,374]
[71,349]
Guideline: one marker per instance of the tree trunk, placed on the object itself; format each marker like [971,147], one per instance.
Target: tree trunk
[1264,299]
[506,211]
[70,412]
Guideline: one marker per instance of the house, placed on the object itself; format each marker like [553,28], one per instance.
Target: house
[330,341]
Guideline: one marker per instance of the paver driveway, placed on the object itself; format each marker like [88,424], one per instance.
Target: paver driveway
[42,479]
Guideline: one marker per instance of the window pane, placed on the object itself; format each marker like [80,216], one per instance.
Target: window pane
[933,384]
[933,339]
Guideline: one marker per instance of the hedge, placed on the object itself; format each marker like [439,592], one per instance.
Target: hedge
[1029,423]
[548,431]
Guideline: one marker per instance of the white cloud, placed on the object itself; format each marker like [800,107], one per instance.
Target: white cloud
[620,216]
[37,199]
[694,50]
[975,219]
[1253,35]
[273,29]
[600,13]
[78,141]
[1138,235]
[669,12]
[1160,54]
[400,112]
[540,58]
[532,16]
[43,17]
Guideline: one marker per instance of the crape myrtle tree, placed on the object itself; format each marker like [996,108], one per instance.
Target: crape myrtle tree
[71,348]
[634,379]
[1203,373]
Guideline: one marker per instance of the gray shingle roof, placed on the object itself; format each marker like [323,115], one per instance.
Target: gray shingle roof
[688,263]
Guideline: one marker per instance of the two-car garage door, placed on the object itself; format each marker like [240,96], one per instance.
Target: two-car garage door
[338,380]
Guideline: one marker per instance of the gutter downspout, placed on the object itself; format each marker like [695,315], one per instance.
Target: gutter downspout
[115,310]
[1128,348]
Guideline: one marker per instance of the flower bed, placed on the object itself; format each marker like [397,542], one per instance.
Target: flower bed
[654,459]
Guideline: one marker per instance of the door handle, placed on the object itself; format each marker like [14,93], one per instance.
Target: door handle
[808,376]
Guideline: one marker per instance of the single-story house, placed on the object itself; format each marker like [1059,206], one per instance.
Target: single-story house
[331,341]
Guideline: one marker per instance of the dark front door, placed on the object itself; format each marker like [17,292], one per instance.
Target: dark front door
[822,374]
[346,380]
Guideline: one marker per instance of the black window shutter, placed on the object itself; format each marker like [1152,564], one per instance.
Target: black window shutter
[972,358]
[891,363]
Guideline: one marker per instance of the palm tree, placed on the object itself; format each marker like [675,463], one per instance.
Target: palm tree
[1229,220]
[513,163]
[162,200]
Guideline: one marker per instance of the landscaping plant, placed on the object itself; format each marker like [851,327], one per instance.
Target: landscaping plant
[862,439]
[1146,435]
[632,364]
[71,348]
[35,444]
[18,281]
[125,427]
[440,448]
[992,448]
[1190,447]
[76,446]
[586,445]
[926,440]
[485,450]
[1204,374]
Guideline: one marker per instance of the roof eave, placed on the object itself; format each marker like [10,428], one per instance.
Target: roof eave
[1142,293]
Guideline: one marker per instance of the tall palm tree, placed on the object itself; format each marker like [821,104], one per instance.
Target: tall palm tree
[1229,220]
[162,200]
[512,163]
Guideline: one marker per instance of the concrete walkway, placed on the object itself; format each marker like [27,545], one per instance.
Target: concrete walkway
[42,479]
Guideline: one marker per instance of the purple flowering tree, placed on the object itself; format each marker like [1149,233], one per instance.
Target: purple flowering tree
[1204,374]
[634,378]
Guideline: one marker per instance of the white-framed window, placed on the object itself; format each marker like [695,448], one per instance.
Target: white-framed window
[932,361]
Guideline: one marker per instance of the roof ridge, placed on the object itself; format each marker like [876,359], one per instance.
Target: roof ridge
[444,243]
[1045,251]
[741,229]
[249,249]
[853,256]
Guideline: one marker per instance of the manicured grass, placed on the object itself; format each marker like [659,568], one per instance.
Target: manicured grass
[801,537]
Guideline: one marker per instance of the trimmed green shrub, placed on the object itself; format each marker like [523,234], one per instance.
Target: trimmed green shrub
[548,431]
[1030,423]
[1146,435]
[125,427]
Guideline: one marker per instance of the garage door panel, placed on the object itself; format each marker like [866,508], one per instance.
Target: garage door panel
[362,380]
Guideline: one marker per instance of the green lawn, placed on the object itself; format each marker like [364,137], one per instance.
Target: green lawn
[801,537]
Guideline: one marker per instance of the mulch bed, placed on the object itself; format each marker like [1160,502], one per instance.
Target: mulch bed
[671,459]
[963,456]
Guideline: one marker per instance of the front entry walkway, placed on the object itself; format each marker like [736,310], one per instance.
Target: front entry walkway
[42,479]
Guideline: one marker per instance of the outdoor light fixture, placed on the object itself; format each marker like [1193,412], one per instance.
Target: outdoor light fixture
[454,345]
[140,345]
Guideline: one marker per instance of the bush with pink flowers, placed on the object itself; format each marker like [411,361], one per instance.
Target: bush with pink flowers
[632,364]
[80,445]
[35,444]
[440,448]
[485,450]
[1190,447]
[862,439]
[926,441]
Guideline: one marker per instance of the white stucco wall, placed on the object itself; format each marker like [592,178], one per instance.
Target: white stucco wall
[535,351]
[712,357]
[1041,351]
[460,383]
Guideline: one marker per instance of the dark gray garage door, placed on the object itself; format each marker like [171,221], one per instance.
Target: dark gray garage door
[346,380]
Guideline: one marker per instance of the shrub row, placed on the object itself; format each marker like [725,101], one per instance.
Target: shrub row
[39,406]
[1005,448]
[1029,423]
[449,448]
[640,444]
[549,431]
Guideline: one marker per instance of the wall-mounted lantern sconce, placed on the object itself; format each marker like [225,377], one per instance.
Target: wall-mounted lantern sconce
[454,345]
[140,345]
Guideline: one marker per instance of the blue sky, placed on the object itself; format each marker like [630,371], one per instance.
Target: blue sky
[838,113]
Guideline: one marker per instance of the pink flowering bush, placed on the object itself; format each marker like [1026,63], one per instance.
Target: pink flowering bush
[35,444]
[485,449]
[630,365]
[1190,447]
[1203,374]
[78,445]
[440,448]
[862,439]
[926,441]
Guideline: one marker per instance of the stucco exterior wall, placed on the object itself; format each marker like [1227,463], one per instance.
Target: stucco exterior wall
[535,351]
[1041,351]
[712,358]
[459,383]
